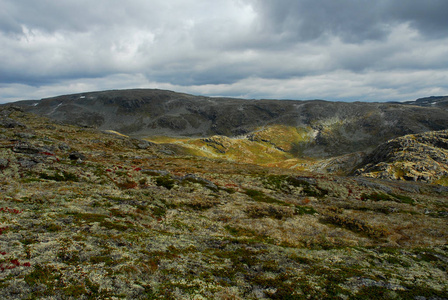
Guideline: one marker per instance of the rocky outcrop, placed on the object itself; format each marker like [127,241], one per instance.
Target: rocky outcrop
[415,157]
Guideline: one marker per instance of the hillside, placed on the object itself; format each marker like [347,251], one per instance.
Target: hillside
[419,157]
[90,214]
[322,129]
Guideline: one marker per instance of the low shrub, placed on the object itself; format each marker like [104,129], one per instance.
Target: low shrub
[387,197]
[284,182]
[259,196]
[356,225]
[65,176]
[165,181]
[277,212]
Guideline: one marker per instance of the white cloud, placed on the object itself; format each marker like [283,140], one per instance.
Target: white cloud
[290,49]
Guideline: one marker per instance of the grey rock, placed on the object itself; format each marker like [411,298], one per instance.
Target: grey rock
[142,144]
[25,147]
[28,163]
[25,135]
[375,185]
[152,172]
[167,152]
[10,123]
[196,179]
[64,147]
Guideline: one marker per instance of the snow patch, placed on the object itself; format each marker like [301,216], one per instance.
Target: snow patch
[54,109]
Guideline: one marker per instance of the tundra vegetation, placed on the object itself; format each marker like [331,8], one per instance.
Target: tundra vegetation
[86,214]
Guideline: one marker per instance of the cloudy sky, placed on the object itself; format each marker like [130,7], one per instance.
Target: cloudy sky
[343,50]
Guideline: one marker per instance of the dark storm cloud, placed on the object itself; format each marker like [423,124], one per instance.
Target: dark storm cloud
[344,49]
[429,17]
[351,20]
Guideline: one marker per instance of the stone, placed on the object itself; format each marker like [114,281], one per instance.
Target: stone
[25,147]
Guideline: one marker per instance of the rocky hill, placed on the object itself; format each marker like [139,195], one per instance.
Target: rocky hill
[89,214]
[322,128]
[417,157]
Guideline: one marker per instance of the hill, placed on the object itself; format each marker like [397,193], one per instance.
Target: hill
[418,157]
[91,214]
[320,129]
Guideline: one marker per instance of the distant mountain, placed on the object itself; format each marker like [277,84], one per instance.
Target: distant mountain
[433,101]
[322,128]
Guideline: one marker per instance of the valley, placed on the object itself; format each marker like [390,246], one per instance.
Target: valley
[149,194]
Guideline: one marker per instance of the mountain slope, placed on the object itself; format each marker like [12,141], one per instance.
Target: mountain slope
[422,157]
[336,128]
[86,214]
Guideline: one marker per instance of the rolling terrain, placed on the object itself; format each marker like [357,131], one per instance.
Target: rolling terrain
[290,129]
[90,213]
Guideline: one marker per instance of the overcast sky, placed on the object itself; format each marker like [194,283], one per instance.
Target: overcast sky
[346,50]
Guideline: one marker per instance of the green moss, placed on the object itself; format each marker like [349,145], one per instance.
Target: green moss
[259,196]
[376,197]
[65,176]
[274,211]
[239,232]
[46,275]
[116,225]
[284,182]
[29,241]
[87,217]
[411,292]
[373,292]
[282,286]
[442,181]
[201,204]
[414,291]
[387,197]
[75,290]
[106,259]
[276,182]
[302,260]
[305,210]
[404,199]
[158,211]
[30,180]
[53,227]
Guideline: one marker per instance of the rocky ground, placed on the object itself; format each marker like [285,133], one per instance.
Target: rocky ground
[415,157]
[95,215]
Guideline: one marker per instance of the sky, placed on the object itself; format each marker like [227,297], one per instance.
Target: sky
[338,50]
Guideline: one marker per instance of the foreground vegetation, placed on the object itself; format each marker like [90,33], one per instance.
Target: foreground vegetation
[94,215]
